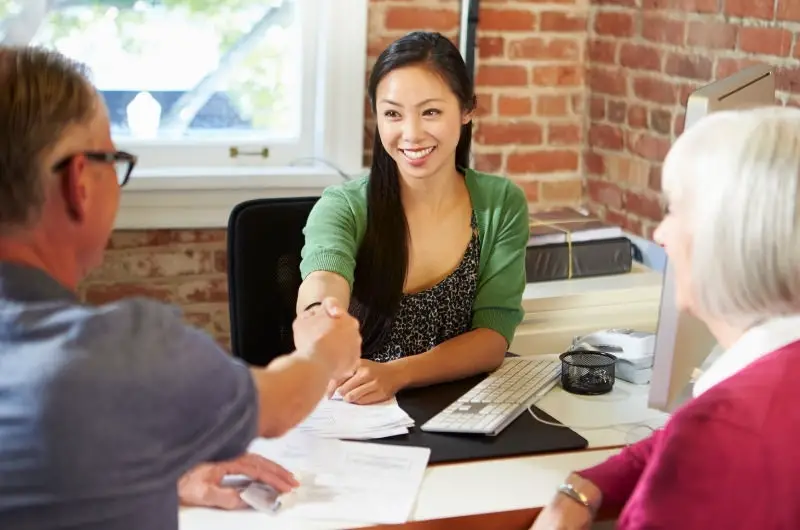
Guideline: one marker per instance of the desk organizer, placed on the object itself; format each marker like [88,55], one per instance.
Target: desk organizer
[587,372]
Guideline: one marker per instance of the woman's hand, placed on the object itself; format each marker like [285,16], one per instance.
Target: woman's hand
[565,513]
[370,383]
[202,485]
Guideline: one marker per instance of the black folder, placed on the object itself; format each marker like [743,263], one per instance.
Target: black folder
[524,436]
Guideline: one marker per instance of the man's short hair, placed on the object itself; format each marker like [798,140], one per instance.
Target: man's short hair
[735,177]
[43,93]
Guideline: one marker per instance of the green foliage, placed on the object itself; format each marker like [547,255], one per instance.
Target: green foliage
[255,86]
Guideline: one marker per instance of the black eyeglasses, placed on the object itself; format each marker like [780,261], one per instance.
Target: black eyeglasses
[123,162]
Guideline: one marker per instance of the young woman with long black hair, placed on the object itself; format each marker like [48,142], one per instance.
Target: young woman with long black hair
[428,254]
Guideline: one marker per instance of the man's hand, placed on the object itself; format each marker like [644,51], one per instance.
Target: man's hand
[328,333]
[202,486]
[371,383]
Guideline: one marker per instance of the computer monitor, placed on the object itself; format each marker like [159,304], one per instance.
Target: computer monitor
[683,342]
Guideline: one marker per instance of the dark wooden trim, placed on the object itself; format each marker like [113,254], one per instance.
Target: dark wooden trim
[510,520]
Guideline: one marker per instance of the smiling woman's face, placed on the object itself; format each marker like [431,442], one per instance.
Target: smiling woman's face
[419,121]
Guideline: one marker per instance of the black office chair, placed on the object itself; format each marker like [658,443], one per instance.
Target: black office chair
[265,237]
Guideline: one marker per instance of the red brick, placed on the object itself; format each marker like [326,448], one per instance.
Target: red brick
[485,105]
[168,262]
[551,105]
[689,66]
[605,193]
[648,146]
[622,3]
[637,116]
[655,90]
[639,57]
[661,121]
[501,75]
[562,190]
[788,10]
[684,91]
[654,178]
[602,51]
[491,47]
[203,291]
[597,107]
[605,137]
[558,75]
[768,41]
[558,21]
[662,29]
[578,102]
[525,133]
[683,6]
[409,18]
[629,224]
[797,49]
[680,121]
[545,48]
[488,162]
[103,293]
[505,20]
[376,45]
[542,161]
[788,80]
[714,35]
[612,23]
[643,205]
[726,67]
[594,163]
[605,81]
[130,239]
[616,111]
[750,8]
[514,106]
[564,134]
[530,187]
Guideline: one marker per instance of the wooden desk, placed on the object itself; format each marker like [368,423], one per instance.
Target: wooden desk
[508,493]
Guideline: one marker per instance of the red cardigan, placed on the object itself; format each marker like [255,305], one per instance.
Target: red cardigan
[728,459]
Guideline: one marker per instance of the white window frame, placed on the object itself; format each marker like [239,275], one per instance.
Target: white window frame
[202,196]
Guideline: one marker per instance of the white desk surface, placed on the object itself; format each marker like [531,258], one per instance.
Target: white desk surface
[498,485]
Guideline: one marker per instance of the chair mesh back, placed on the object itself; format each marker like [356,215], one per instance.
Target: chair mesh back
[265,237]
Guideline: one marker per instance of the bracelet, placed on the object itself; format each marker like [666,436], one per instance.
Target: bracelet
[570,491]
[312,304]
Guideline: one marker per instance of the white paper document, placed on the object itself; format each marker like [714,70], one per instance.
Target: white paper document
[334,418]
[339,480]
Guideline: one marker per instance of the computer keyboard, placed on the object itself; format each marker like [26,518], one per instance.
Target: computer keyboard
[491,405]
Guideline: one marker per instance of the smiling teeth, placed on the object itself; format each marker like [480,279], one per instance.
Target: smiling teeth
[418,154]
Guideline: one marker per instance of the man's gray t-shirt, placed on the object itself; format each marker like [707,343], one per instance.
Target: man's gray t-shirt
[102,409]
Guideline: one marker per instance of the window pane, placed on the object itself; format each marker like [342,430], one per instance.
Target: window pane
[184,69]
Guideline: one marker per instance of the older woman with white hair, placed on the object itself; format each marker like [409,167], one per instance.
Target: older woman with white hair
[730,457]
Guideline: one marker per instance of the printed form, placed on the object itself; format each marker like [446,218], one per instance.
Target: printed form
[334,418]
[342,483]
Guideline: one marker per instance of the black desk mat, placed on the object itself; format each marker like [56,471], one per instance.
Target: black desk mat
[525,435]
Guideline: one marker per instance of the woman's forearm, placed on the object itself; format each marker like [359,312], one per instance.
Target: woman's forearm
[320,285]
[474,352]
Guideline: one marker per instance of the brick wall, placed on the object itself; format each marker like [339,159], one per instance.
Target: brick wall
[645,57]
[578,103]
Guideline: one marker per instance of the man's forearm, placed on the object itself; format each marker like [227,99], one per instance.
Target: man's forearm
[289,389]
[474,352]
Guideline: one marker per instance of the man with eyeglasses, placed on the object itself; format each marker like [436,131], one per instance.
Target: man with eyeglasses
[110,415]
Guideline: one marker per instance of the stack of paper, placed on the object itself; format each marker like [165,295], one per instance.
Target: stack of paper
[342,485]
[334,418]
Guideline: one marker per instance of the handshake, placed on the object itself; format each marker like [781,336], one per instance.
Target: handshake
[327,333]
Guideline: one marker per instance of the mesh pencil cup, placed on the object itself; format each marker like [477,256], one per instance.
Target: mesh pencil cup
[587,372]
